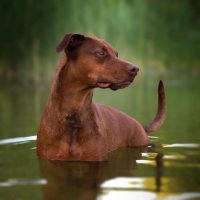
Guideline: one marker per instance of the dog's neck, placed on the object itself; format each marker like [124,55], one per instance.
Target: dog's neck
[69,95]
[71,106]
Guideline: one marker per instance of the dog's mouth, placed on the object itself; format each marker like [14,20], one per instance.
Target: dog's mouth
[121,85]
[103,85]
[114,86]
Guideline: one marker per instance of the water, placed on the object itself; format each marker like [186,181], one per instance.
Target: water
[169,169]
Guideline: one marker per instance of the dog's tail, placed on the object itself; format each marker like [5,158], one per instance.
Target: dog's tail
[160,115]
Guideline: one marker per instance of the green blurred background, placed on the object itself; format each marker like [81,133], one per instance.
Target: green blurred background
[163,35]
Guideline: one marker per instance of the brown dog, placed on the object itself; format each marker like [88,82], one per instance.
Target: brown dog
[73,127]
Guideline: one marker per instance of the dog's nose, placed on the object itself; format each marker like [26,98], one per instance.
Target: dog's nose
[133,69]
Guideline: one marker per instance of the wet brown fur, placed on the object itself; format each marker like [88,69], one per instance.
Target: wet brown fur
[74,128]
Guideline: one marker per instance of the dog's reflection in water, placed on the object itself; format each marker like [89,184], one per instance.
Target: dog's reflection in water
[82,180]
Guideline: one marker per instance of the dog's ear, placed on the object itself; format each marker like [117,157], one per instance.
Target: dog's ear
[70,42]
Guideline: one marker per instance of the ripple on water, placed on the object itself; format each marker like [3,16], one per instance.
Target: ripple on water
[14,182]
[18,140]
[182,156]
[183,145]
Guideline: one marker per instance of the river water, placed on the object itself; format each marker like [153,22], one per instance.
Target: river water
[168,169]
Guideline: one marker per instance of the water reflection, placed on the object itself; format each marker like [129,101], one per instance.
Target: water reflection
[155,172]
[72,180]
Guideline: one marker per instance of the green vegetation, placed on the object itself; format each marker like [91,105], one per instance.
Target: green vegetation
[161,34]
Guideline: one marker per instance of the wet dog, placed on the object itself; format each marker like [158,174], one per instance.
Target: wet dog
[74,128]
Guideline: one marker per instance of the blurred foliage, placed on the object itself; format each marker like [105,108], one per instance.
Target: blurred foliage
[164,34]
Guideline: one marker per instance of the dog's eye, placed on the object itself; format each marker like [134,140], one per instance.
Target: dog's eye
[101,53]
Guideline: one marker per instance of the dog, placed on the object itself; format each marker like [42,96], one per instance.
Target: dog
[73,128]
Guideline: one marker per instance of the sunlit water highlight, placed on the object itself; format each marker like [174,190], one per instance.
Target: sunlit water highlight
[186,145]
[127,188]
[18,140]
[14,182]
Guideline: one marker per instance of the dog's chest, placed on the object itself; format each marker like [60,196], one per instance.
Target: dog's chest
[79,126]
[73,122]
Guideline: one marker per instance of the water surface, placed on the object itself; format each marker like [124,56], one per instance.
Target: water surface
[168,169]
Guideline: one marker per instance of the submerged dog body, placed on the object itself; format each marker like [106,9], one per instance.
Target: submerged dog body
[72,126]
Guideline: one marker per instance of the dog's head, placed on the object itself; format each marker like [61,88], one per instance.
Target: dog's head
[95,63]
